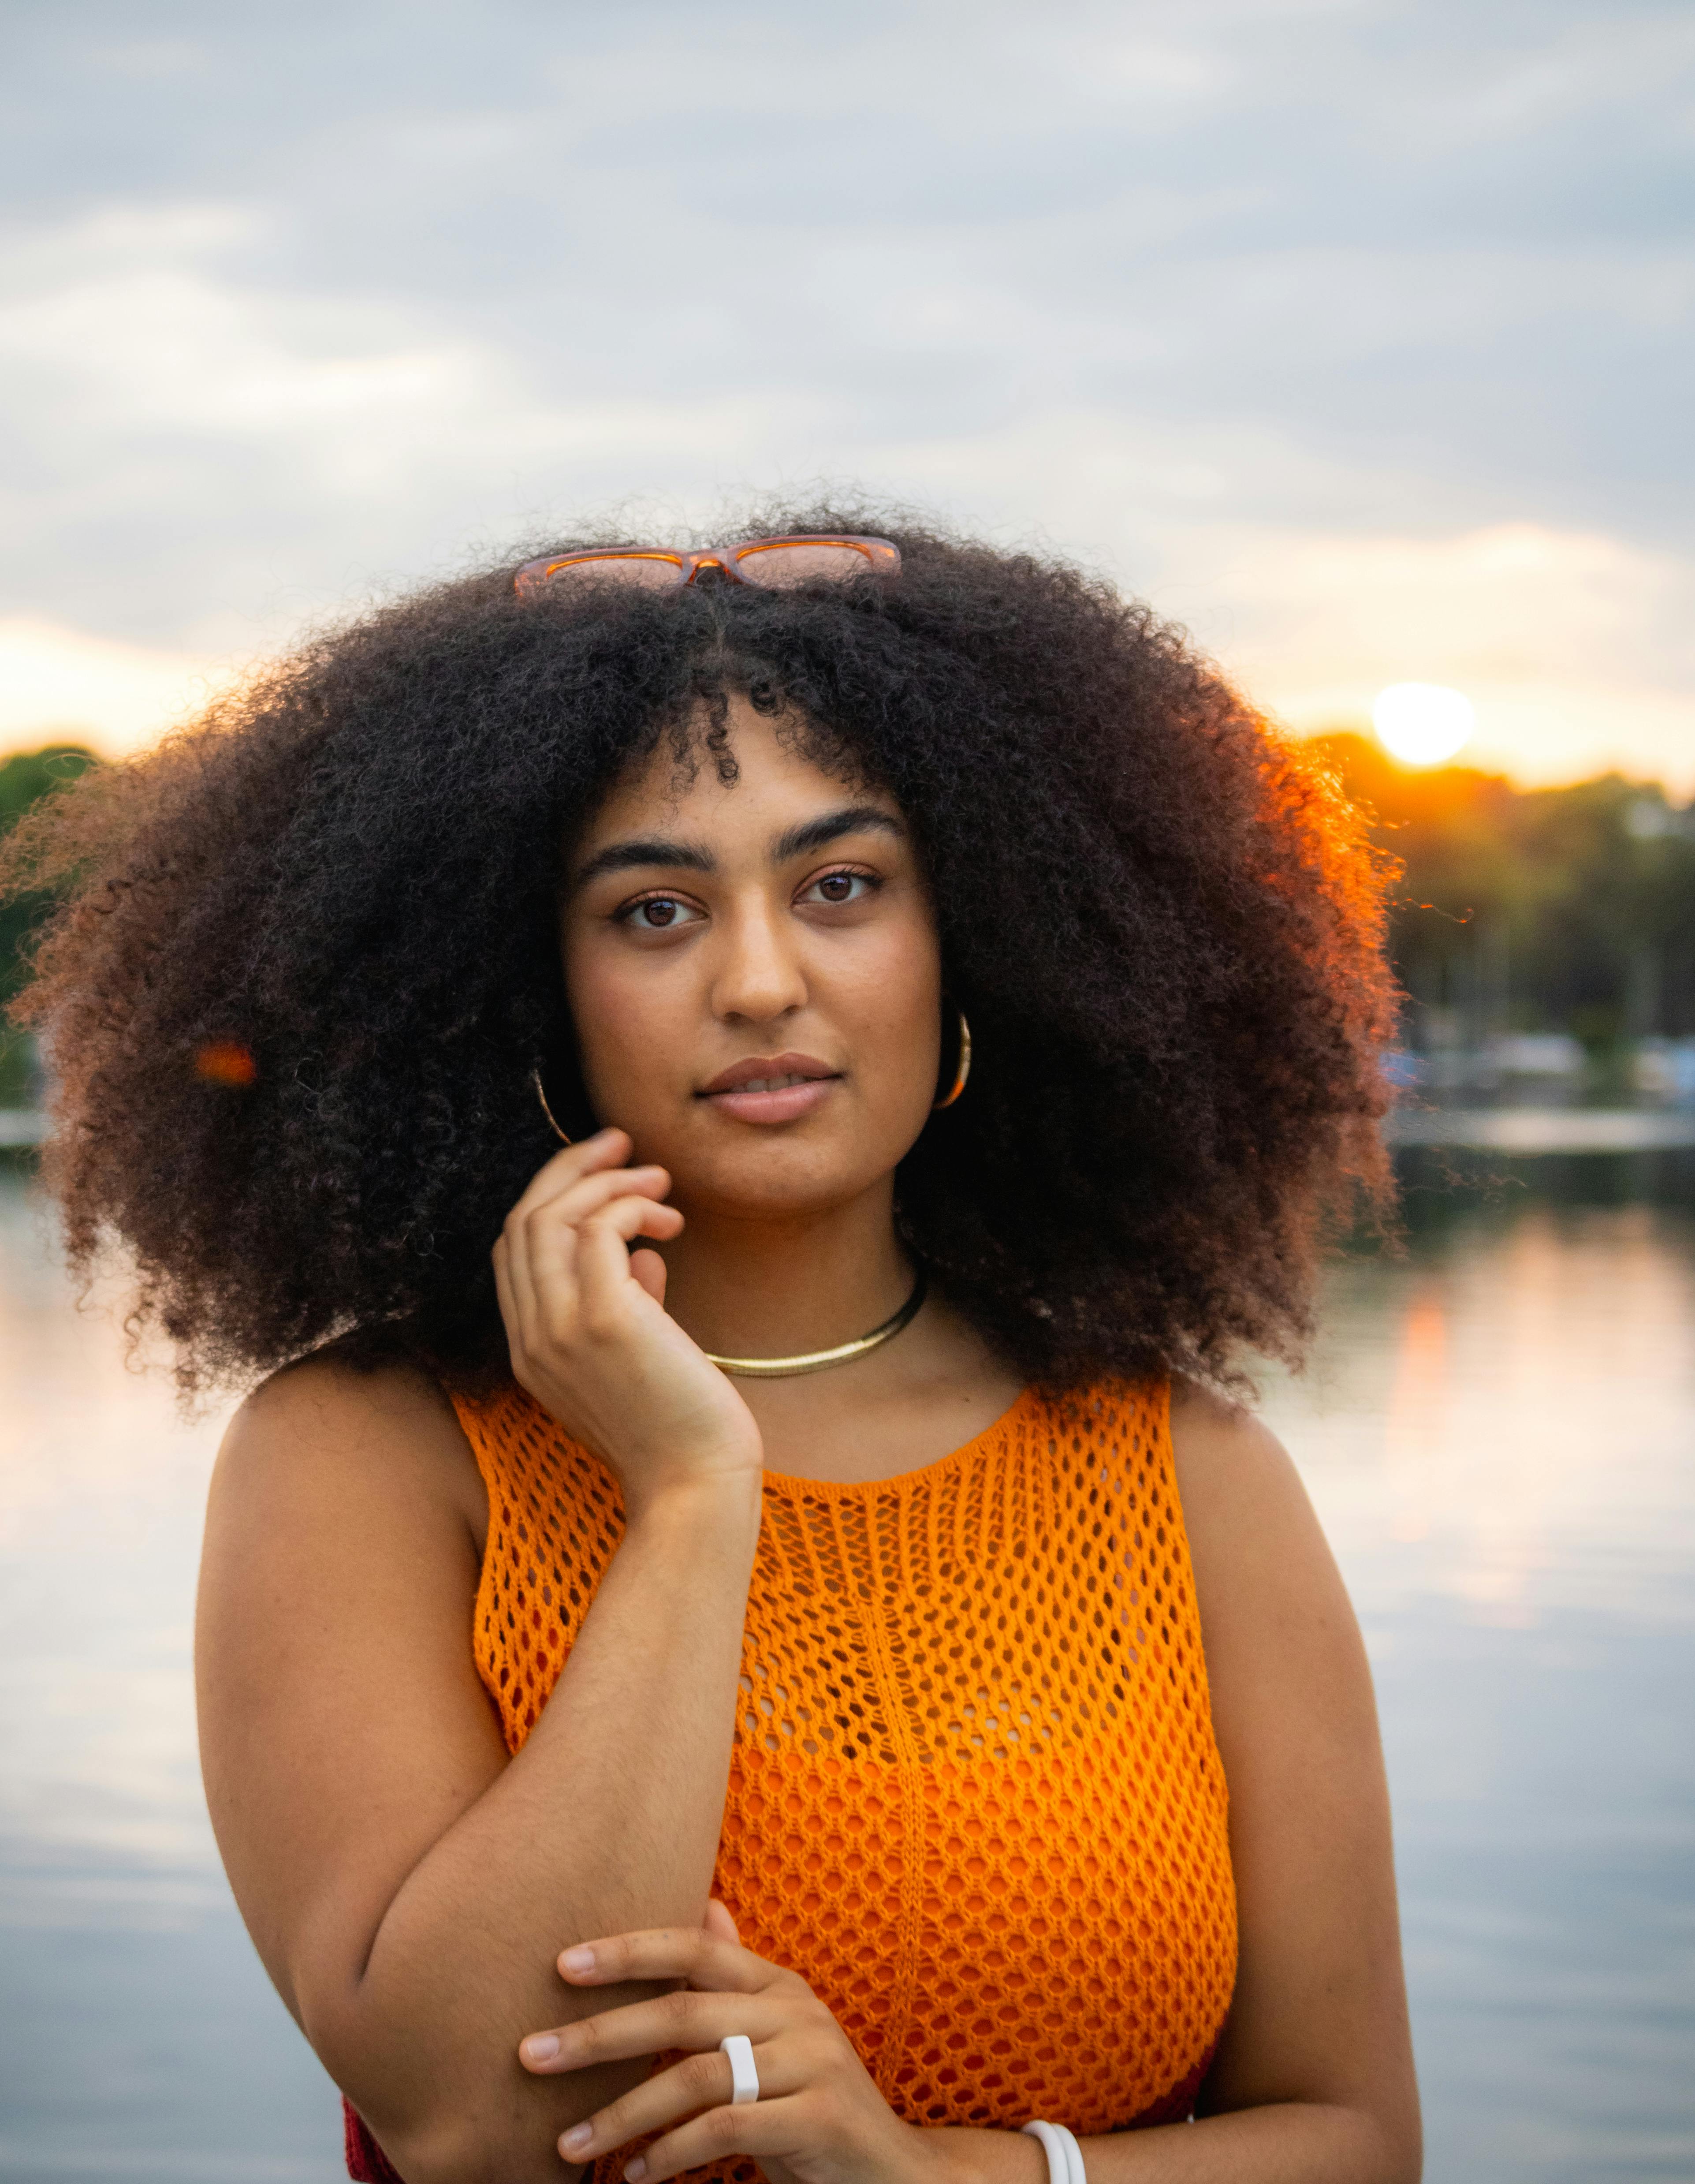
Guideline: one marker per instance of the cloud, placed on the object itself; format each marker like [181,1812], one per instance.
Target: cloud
[300,309]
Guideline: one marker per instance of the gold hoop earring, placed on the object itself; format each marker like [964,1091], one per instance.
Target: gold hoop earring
[535,1079]
[964,1068]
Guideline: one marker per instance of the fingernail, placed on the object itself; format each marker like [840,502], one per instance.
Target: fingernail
[636,2170]
[542,2048]
[576,2137]
[577,1960]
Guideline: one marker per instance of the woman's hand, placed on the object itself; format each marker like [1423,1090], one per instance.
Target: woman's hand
[818,2119]
[589,1335]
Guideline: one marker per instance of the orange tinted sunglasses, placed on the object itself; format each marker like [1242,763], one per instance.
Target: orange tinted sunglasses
[776,564]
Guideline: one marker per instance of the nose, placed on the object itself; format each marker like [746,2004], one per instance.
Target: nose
[758,978]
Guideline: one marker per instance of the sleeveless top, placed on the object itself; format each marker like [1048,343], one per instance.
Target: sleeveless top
[975,1799]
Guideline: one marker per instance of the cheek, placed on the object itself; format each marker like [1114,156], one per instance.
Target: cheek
[896,1002]
[621,1025]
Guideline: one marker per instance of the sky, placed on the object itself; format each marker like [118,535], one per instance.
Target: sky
[1355,337]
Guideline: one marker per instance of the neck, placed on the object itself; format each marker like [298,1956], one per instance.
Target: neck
[759,1287]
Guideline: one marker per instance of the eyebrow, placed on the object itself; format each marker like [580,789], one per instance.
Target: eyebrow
[830,827]
[647,851]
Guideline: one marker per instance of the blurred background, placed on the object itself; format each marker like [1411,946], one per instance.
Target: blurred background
[1355,337]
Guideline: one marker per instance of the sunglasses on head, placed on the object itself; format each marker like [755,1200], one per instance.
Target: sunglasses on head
[775,564]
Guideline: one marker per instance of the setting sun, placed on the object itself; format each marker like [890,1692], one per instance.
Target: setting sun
[1422,723]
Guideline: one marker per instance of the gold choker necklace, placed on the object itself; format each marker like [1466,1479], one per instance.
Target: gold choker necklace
[815,1361]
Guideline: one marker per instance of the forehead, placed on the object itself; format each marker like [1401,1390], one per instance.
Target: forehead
[775,783]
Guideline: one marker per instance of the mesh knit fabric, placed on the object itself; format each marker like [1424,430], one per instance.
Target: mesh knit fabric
[975,1799]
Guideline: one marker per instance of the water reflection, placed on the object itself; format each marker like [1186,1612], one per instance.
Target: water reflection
[101,1489]
[1504,1417]
[1498,1428]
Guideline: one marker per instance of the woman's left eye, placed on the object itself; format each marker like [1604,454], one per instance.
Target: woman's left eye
[840,887]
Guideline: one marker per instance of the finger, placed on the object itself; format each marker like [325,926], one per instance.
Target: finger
[684,2018]
[544,1290]
[698,2082]
[501,1258]
[545,1255]
[649,1269]
[688,1952]
[574,1197]
[605,1149]
[577,1199]
[719,1923]
[559,1258]
[528,1229]
[602,1259]
[546,1231]
[511,1314]
[762,2129]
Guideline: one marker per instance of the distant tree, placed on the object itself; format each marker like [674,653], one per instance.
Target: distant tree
[25,779]
[1554,909]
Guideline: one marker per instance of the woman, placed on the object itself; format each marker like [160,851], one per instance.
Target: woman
[760,1635]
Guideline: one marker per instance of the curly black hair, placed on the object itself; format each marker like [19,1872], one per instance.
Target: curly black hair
[307,956]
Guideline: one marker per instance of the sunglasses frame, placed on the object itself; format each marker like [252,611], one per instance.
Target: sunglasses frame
[881,555]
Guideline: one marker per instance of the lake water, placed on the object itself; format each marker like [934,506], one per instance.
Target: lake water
[1498,1428]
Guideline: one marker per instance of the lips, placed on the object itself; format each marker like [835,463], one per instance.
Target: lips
[769,1072]
[771,1087]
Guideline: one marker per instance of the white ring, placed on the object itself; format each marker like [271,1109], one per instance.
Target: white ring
[1064,2155]
[744,2078]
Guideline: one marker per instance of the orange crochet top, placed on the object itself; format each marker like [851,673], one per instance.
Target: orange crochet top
[975,1799]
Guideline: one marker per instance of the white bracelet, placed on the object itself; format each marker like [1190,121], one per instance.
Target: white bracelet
[1064,2155]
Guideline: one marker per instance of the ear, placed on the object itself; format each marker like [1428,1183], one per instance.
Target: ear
[719,1925]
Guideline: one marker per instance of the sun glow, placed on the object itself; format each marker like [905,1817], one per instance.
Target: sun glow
[1422,723]
[59,684]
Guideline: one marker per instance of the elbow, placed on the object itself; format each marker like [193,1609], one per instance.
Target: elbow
[1407,2161]
[1392,2147]
[445,2148]
[440,2125]
[448,2103]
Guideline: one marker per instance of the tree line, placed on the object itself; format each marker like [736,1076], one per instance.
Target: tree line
[1566,910]
[25,777]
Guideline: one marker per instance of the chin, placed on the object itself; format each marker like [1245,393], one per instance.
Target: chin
[771,1174]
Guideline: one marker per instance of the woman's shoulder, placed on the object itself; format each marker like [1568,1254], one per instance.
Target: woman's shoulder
[1220,1447]
[1231,1474]
[1243,1497]
[335,1427]
[1212,1441]
[1266,1582]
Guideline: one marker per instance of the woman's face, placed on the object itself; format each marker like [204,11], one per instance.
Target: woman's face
[754,978]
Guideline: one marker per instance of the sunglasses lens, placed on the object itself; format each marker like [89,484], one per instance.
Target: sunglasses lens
[779,566]
[655,572]
[776,564]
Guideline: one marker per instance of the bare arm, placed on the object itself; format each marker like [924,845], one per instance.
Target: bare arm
[406,1885]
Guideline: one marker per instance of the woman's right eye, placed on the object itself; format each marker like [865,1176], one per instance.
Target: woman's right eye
[658,913]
